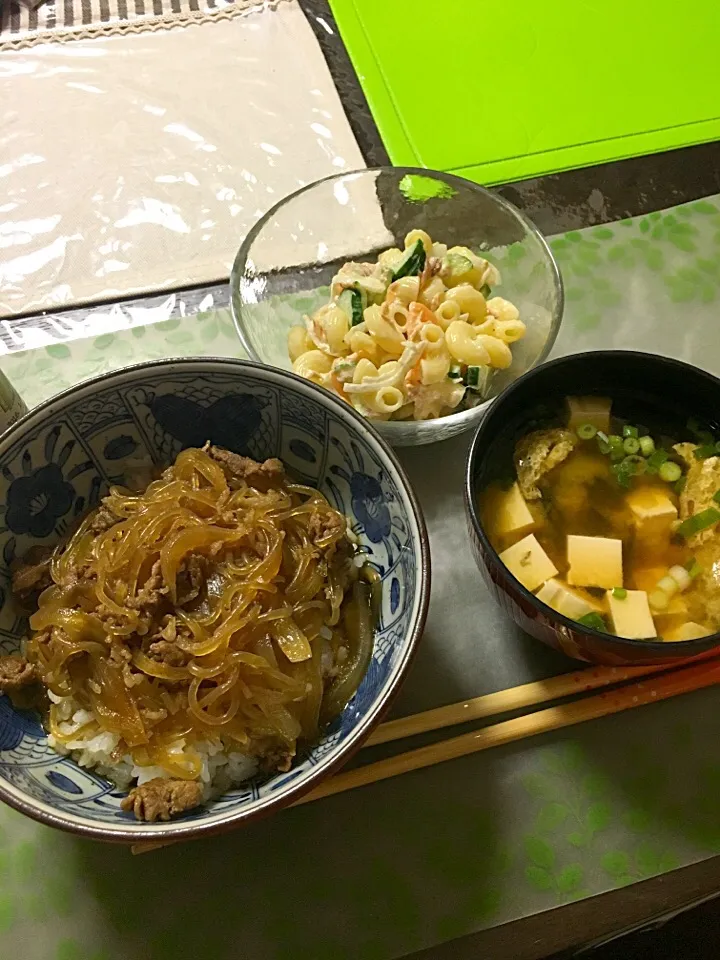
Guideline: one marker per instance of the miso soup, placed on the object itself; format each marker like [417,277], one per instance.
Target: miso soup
[614,526]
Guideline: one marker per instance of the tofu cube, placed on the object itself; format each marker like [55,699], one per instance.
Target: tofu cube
[566,601]
[674,615]
[653,511]
[688,631]
[511,513]
[594,562]
[527,561]
[631,616]
[594,410]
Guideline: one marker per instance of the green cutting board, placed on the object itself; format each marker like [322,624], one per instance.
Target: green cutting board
[496,91]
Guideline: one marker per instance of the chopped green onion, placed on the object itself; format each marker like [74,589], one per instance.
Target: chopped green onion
[658,600]
[603,444]
[629,431]
[699,521]
[634,465]
[620,593]
[680,576]
[455,372]
[668,585]
[594,621]
[616,447]
[693,568]
[485,290]
[586,431]
[647,446]
[680,485]
[622,474]
[669,471]
[716,496]
[656,460]
[704,451]
[631,445]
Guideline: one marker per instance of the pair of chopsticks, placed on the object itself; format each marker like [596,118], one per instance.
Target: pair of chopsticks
[654,683]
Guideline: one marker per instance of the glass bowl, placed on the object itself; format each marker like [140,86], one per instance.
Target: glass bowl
[285,265]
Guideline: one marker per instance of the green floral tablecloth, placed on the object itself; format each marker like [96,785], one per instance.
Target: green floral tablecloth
[440,853]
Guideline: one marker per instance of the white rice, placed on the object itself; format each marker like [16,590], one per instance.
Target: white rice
[222,766]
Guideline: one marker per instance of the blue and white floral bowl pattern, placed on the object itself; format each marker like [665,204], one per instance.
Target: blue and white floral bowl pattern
[61,459]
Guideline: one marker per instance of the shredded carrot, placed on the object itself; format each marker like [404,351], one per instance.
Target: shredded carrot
[413,376]
[337,386]
[418,314]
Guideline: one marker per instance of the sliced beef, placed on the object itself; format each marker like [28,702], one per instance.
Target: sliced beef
[119,653]
[31,575]
[131,678]
[15,673]
[151,593]
[277,759]
[104,519]
[191,580]
[324,524]
[168,653]
[164,649]
[161,799]
[259,475]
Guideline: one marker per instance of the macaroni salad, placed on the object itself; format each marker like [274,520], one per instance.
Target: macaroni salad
[412,336]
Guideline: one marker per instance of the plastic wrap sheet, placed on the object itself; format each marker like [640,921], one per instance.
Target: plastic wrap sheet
[138,163]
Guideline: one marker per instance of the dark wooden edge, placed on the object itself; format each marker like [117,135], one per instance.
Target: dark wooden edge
[589,921]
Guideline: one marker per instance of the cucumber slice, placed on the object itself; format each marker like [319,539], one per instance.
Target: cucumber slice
[457,265]
[352,302]
[478,379]
[472,377]
[412,262]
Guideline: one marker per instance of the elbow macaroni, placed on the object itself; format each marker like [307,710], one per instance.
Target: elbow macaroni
[447,312]
[470,301]
[385,333]
[335,325]
[412,238]
[406,290]
[299,342]
[312,365]
[409,356]
[464,346]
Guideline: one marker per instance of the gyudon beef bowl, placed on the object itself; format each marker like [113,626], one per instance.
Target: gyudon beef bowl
[214,578]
